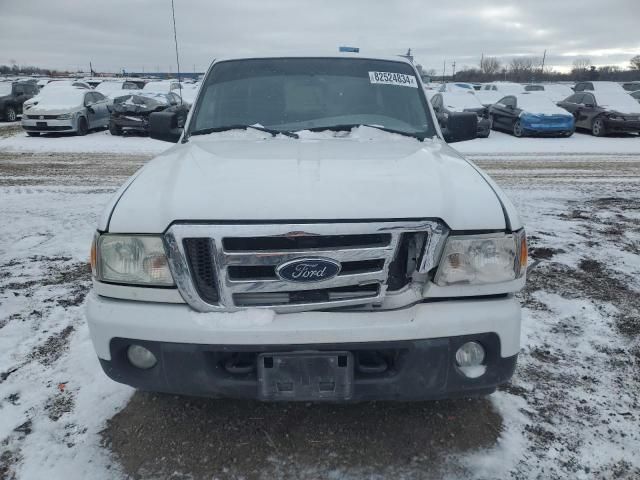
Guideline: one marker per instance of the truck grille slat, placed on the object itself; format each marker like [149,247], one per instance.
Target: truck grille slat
[223,267]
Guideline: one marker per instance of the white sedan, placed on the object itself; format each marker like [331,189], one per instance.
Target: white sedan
[70,110]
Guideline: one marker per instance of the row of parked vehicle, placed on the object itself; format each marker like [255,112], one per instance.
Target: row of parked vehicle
[77,106]
[542,109]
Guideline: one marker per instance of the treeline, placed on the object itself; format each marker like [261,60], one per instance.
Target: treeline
[531,69]
[27,70]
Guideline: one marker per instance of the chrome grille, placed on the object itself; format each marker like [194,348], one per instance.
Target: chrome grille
[244,258]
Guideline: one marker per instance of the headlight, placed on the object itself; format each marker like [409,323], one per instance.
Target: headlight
[134,259]
[482,259]
[64,116]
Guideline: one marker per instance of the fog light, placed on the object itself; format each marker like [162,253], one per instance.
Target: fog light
[141,357]
[469,359]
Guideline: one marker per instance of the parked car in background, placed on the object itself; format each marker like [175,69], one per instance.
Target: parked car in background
[598,87]
[446,103]
[163,86]
[631,86]
[604,112]
[12,98]
[72,110]
[111,88]
[532,114]
[490,93]
[131,112]
[65,84]
[554,91]
[456,87]
[188,93]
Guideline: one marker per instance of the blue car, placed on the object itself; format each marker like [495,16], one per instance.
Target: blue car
[531,114]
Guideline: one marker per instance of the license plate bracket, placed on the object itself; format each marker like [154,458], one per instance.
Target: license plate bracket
[41,124]
[305,376]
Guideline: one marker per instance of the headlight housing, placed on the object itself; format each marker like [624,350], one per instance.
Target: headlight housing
[131,259]
[482,259]
[64,116]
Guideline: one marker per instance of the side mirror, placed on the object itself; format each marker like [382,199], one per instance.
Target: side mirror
[166,125]
[89,107]
[460,127]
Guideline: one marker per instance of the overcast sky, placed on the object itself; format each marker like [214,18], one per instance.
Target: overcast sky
[137,34]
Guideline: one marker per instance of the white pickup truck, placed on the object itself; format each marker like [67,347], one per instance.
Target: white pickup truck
[311,237]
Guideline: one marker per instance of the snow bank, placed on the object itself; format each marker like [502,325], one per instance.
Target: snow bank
[500,143]
[98,142]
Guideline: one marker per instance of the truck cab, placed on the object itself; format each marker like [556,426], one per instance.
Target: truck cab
[310,237]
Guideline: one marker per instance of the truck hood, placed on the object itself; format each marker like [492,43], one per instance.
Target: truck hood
[253,177]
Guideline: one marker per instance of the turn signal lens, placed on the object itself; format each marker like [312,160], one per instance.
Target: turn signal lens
[92,256]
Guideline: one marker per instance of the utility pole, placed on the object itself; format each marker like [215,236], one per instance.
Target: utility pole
[453,75]
[544,57]
[444,67]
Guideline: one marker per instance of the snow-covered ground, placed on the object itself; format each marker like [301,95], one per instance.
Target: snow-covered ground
[570,412]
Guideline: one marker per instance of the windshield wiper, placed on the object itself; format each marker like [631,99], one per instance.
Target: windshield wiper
[272,131]
[349,126]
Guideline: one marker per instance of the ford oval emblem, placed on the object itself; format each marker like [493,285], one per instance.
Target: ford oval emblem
[306,270]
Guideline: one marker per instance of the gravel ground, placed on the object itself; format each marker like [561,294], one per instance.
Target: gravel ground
[570,412]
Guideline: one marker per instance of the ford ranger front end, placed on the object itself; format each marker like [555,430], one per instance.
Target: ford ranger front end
[311,237]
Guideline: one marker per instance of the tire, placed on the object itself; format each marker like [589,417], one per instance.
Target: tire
[115,129]
[33,134]
[518,131]
[10,114]
[83,127]
[597,128]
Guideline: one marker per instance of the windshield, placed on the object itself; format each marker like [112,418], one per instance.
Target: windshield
[538,103]
[617,101]
[291,94]
[460,101]
[5,89]
[62,98]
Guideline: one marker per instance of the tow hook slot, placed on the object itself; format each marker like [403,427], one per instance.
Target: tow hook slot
[371,362]
[240,364]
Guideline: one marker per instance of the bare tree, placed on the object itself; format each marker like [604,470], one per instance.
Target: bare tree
[490,65]
[581,64]
[635,62]
[523,69]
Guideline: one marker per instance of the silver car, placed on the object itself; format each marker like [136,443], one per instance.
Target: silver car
[63,110]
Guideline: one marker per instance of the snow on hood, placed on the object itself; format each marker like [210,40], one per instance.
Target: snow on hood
[59,99]
[247,175]
[539,104]
[620,102]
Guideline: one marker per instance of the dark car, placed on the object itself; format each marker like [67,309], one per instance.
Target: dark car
[131,111]
[12,96]
[631,86]
[604,112]
[447,103]
[530,114]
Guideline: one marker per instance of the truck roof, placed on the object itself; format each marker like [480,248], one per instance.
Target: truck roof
[391,58]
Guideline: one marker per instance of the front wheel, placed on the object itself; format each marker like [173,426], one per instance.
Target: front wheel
[518,131]
[10,114]
[597,128]
[83,127]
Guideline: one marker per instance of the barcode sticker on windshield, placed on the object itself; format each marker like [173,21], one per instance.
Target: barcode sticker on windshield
[390,78]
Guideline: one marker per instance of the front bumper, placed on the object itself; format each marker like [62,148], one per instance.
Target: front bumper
[34,125]
[131,122]
[622,126]
[547,128]
[193,347]
[405,370]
